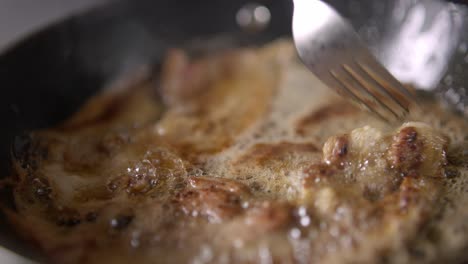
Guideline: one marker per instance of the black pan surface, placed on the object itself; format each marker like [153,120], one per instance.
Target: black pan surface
[47,76]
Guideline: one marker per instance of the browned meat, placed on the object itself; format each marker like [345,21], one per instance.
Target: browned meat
[246,158]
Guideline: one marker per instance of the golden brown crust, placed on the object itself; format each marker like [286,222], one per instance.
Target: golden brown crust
[213,198]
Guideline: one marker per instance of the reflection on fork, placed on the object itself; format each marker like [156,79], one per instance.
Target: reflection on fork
[332,50]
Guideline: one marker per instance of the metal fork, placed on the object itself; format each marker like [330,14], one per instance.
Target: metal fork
[329,46]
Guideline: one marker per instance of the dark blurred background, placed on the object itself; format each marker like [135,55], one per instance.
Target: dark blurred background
[18,17]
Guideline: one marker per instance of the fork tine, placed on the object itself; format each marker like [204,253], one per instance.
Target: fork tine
[344,86]
[388,94]
[368,88]
[395,89]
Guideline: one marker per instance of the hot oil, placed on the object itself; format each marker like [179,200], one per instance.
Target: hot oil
[299,94]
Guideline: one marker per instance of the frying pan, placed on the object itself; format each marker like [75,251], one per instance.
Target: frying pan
[47,76]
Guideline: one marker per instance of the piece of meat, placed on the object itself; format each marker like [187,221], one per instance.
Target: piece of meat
[216,199]
[245,158]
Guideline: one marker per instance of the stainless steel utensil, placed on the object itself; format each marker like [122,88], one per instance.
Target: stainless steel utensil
[329,46]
